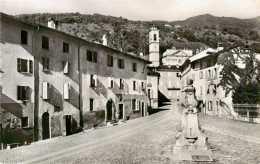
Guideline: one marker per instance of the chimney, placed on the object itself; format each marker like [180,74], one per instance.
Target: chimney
[52,23]
[220,47]
[104,38]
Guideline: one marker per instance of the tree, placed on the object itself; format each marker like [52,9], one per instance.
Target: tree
[243,78]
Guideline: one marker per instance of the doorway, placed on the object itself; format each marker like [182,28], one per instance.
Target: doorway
[121,111]
[143,110]
[109,108]
[45,126]
[68,125]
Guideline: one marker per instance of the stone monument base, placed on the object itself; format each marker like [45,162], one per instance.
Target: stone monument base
[193,155]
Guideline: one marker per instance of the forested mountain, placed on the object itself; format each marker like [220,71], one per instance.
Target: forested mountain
[132,36]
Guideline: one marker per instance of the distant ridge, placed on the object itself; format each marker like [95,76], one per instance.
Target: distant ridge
[132,36]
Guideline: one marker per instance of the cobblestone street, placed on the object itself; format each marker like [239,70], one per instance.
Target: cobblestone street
[144,140]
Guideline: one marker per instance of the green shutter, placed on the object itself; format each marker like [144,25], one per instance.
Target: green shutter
[31,66]
[95,56]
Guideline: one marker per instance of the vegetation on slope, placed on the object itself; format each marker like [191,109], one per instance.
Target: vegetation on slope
[132,36]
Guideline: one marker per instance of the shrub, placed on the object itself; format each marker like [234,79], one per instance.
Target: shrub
[94,118]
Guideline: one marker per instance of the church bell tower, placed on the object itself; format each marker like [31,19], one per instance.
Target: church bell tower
[154,56]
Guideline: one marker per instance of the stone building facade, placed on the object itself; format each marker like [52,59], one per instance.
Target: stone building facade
[54,84]
[204,70]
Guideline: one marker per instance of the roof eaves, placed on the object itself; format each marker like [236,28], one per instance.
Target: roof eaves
[115,50]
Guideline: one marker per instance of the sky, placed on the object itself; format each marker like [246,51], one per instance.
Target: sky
[168,10]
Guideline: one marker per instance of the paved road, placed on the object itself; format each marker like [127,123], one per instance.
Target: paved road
[143,140]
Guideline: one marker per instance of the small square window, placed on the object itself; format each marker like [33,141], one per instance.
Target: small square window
[133,104]
[134,67]
[91,104]
[45,42]
[65,47]
[23,93]
[93,80]
[45,64]
[121,63]
[134,85]
[24,122]
[121,84]
[109,61]
[22,65]
[24,37]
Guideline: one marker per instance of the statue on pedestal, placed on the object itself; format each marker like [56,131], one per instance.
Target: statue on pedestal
[191,141]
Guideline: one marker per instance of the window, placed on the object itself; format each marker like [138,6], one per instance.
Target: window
[93,80]
[24,122]
[121,63]
[192,65]
[65,67]
[109,61]
[143,86]
[24,37]
[134,67]
[154,37]
[22,93]
[133,104]
[209,74]
[110,82]
[66,91]
[45,64]
[121,84]
[45,42]
[92,56]
[201,75]
[210,105]
[149,93]
[24,65]
[201,90]
[45,90]
[216,73]
[91,104]
[134,85]
[66,47]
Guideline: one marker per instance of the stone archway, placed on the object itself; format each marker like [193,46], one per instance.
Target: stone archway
[45,126]
[110,111]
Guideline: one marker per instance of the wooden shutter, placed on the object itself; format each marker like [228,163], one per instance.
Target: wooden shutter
[45,90]
[123,64]
[19,91]
[30,66]
[27,93]
[19,65]
[66,92]
[65,67]
[95,57]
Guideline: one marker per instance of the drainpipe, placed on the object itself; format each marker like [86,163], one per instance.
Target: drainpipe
[35,121]
[80,90]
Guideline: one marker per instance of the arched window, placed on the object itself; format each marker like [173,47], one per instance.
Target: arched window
[154,37]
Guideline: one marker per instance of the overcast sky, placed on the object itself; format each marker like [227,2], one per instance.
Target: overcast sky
[137,9]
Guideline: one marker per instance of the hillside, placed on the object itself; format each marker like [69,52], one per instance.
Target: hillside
[132,36]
